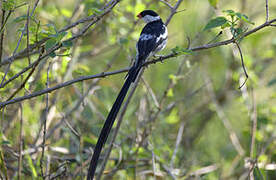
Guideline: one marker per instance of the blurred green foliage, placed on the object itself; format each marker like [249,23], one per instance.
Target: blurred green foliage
[195,91]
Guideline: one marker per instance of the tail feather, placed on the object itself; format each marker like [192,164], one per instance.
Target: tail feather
[133,72]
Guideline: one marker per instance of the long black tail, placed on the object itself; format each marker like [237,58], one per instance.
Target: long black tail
[133,72]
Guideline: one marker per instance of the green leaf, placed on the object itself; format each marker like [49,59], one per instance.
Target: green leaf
[8,5]
[50,43]
[173,118]
[5,142]
[229,12]
[244,18]
[67,43]
[213,2]
[123,40]
[31,165]
[52,54]
[61,35]
[213,23]
[181,50]
[272,82]
[170,92]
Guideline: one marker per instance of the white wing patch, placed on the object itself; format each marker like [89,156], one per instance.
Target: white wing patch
[163,36]
[145,37]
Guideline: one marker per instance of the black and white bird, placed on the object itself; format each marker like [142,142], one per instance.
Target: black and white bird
[153,38]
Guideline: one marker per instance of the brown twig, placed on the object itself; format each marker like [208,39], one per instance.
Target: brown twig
[2,34]
[45,124]
[173,11]
[20,142]
[27,78]
[243,66]
[166,3]
[28,37]
[267,11]
[253,127]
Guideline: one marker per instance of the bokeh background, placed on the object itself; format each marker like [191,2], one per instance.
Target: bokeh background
[187,118]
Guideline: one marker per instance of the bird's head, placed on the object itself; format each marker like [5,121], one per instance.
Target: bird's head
[148,16]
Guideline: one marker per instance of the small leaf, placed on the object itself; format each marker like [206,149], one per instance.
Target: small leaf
[181,50]
[123,40]
[244,18]
[213,23]
[173,78]
[5,142]
[229,12]
[173,118]
[50,43]
[170,92]
[213,2]
[67,43]
[272,82]
[61,35]
[52,54]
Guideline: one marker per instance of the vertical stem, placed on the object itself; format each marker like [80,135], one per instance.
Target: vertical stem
[20,143]
[2,34]
[45,123]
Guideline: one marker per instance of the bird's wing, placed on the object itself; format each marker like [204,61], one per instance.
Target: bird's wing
[148,41]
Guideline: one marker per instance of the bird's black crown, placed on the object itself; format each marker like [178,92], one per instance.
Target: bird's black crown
[148,12]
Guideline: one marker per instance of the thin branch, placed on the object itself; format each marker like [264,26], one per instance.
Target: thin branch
[28,37]
[253,130]
[2,34]
[45,124]
[254,124]
[20,142]
[267,11]
[173,11]
[177,142]
[167,4]
[243,66]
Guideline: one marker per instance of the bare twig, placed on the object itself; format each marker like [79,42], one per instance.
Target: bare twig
[254,124]
[45,124]
[173,11]
[27,78]
[20,143]
[267,11]
[177,142]
[243,66]
[28,37]
[166,3]
[253,130]
[2,34]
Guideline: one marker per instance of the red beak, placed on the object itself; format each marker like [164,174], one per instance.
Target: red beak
[139,16]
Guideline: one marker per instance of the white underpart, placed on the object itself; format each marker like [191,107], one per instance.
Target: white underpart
[149,18]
